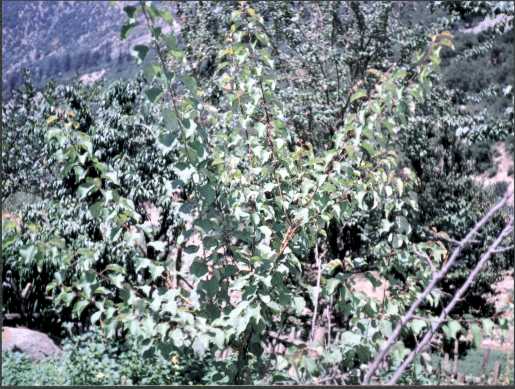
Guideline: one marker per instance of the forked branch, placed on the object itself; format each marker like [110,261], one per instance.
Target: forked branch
[434,281]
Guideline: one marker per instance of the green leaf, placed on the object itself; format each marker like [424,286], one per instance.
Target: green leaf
[211,286]
[302,215]
[488,325]
[95,317]
[332,284]
[208,194]
[167,16]
[155,270]
[158,245]
[116,268]
[142,263]
[84,190]
[190,83]
[358,95]
[360,197]
[200,344]
[192,249]
[417,326]
[153,93]
[171,41]
[151,70]
[166,140]
[451,329]
[349,338]
[130,10]
[198,269]
[28,253]
[79,307]
[299,304]
[476,335]
[141,52]
[177,337]
[170,119]
[126,28]
[117,280]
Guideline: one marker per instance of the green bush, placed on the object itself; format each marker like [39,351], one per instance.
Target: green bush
[19,370]
[91,359]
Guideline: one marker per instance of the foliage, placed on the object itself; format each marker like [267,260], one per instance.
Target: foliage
[17,369]
[198,209]
[90,359]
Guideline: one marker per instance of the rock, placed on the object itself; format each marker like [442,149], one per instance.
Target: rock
[361,284]
[36,345]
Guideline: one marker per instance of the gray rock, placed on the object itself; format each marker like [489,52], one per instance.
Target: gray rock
[36,345]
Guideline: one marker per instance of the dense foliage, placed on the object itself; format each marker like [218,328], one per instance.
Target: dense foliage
[227,196]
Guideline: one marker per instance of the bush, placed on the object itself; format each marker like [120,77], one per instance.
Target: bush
[91,359]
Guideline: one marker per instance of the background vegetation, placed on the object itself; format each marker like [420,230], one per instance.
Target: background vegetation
[210,214]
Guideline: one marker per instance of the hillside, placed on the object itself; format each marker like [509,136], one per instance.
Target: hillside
[63,39]
[259,193]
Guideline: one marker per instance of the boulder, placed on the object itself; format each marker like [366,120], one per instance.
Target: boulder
[360,283]
[36,345]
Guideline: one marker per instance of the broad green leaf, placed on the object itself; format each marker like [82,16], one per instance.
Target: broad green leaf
[191,249]
[417,326]
[79,307]
[170,119]
[153,93]
[177,337]
[200,344]
[198,269]
[141,52]
[358,95]
[166,139]
[155,270]
[116,268]
[190,83]
[299,304]
[84,190]
[451,329]
[96,317]
[332,284]
[28,253]
[126,28]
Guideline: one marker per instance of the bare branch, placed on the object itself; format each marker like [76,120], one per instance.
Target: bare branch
[426,257]
[450,240]
[436,325]
[434,281]
[503,249]
[316,294]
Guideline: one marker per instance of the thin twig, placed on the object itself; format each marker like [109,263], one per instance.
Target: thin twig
[426,257]
[316,294]
[328,311]
[503,249]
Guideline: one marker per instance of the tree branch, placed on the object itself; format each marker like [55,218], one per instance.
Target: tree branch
[436,325]
[436,278]
[316,294]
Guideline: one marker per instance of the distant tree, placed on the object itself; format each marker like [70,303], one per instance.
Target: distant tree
[86,59]
[11,82]
[120,58]
[67,63]
[53,67]
[95,58]
[108,52]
